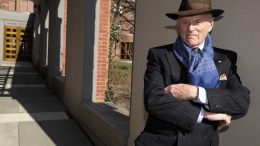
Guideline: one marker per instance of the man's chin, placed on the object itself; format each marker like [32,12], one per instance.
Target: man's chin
[192,45]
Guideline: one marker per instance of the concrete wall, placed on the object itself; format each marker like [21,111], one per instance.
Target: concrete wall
[237,31]
[12,15]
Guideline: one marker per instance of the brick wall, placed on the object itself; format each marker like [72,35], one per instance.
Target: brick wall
[17,5]
[63,55]
[103,49]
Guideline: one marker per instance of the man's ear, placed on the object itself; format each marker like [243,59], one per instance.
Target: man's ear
[211,25]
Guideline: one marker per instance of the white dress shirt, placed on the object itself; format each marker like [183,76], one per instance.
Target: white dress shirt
[202,95]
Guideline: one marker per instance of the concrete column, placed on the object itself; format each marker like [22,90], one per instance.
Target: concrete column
[91,23]
[44,34]
[55,38]
[152,29]
[35,48]
[73,88]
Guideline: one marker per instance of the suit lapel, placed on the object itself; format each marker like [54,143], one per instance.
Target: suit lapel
[218,59]
[220,65]
[173,64]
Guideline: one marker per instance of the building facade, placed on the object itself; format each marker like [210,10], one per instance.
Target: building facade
[16,25]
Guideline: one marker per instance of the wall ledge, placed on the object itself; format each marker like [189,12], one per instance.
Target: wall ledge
[58,85]
[105,123]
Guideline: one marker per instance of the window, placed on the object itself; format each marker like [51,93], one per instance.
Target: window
[126,50]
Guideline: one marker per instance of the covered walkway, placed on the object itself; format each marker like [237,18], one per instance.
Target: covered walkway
[31,114]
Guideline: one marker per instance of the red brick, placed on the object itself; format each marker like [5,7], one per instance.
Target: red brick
[103,49]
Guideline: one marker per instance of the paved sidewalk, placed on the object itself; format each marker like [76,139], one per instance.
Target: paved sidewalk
[31,114]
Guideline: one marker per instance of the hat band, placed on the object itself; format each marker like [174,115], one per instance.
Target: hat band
[195,6]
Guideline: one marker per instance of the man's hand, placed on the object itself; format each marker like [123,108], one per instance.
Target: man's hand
[182,91]
[224,119]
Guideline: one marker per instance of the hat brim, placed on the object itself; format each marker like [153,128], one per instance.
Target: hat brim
[214,12]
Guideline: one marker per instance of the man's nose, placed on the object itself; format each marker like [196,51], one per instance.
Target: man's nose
[190,27]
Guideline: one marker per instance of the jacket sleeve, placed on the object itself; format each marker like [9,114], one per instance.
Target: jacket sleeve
[234,98]
[162,105]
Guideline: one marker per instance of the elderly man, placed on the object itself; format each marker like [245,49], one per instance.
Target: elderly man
[191,88]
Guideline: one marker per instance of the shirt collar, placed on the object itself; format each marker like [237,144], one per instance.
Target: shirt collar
[201,46]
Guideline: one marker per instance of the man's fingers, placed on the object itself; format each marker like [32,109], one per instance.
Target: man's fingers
[166,89]
[182,91]
[169,90]
[222,125]
[225,122]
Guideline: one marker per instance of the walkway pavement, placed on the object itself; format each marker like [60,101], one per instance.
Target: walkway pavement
[31,114]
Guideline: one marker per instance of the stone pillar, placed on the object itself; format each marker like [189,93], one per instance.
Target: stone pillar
[44,33]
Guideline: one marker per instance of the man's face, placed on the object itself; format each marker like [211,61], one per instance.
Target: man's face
[194,29]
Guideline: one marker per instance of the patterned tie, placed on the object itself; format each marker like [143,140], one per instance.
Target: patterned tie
[200,73]
[195,50]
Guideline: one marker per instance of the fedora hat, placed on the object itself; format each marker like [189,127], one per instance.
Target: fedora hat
[195,7]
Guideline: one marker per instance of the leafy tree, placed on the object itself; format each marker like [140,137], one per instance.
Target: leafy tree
[121,22]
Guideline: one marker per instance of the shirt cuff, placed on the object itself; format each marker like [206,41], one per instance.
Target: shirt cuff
[202,96]
[201,115]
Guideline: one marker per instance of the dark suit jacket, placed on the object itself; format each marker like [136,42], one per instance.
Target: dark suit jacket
[172,122]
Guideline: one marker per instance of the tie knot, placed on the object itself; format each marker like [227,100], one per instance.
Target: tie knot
[195,50]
